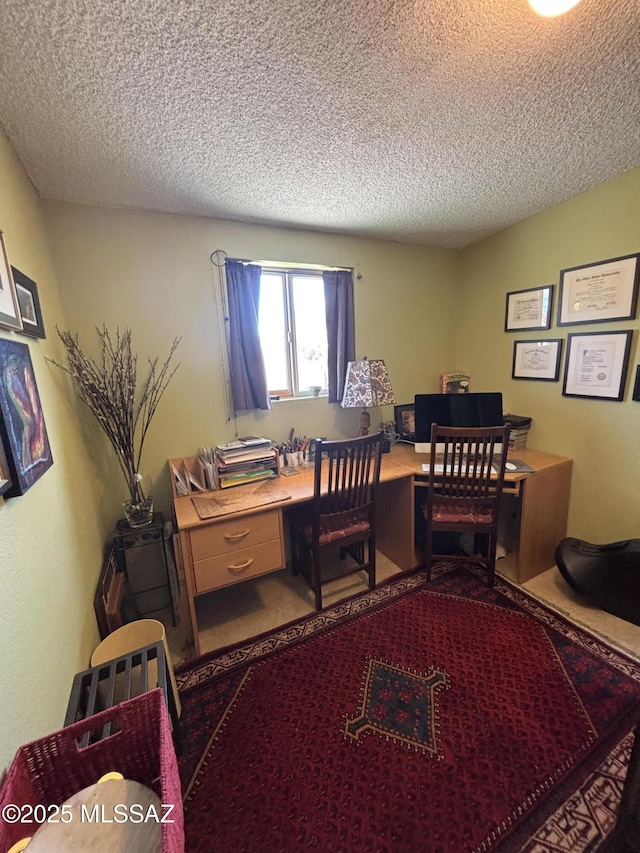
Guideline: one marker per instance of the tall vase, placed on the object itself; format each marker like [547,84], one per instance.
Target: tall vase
[138,509]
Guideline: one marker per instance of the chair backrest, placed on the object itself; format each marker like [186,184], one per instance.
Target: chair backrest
[472,460]
[346,474]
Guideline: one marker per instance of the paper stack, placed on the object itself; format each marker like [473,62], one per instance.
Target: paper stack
[245,461]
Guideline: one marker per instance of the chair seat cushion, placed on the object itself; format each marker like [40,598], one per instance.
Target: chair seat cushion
[338,526]
[464,514]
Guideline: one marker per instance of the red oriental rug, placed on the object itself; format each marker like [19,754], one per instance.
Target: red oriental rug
[454,718]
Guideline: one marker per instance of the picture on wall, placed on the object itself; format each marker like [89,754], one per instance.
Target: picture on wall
[29,304]
[528,309]
[5,476]
[22,427]
[595,293]
[537,359]
[596,364]
[9,309]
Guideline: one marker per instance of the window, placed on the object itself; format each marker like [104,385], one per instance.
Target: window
[293,331]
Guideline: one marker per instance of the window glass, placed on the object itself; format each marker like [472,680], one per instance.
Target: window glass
[293,332]
[272,328]
[310,330]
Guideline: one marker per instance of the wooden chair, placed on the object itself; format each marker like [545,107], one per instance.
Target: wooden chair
[342,512]
[465,487]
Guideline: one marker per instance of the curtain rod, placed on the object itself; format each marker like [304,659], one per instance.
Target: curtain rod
[219,257]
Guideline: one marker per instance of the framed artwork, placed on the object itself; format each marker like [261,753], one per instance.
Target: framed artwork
[405,418]
[28,304]
[9,309]
[596,293]
[530,309]
[5,475]
[22,426]
[596,364]
[537,359]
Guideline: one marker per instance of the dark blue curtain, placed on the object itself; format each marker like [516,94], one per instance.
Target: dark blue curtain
[248,378]
[338,296]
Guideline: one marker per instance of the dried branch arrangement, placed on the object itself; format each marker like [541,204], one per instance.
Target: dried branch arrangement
[109,387]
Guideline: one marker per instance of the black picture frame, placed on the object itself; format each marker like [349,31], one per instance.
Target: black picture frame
[29,305]
[529,310]
[537,359]
[5,474]
[23,433]
[599,293]
[636,386]
[405,418]
[596,365]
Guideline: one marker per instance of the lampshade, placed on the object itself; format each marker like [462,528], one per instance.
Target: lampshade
[367,384]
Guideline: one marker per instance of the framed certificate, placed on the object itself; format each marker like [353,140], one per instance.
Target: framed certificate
[537,359]
[596,293]
[596,364]
[528,309]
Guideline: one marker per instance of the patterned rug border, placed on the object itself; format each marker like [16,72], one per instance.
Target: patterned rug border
[578,823]
[193,673]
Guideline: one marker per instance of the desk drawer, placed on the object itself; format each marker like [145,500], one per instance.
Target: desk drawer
[227,569]
[225,537]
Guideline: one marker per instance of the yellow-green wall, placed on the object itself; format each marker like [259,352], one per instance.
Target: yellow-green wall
[51,537]
[423,310]
[153,272]
[602,437]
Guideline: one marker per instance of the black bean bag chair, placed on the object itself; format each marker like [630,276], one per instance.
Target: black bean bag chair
[606,575]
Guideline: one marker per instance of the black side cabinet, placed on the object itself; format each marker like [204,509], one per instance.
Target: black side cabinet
[142,554]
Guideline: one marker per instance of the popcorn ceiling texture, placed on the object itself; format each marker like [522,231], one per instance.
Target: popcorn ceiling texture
[424,121]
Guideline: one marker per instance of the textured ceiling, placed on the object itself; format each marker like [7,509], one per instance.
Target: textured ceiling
[432,121]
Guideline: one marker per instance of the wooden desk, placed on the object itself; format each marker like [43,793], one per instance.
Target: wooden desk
[534,513]
[230,548]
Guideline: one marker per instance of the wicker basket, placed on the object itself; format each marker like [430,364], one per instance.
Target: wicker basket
[50,770]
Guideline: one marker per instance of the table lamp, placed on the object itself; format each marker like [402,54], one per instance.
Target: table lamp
[367,384]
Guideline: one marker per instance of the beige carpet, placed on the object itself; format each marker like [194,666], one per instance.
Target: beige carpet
[237,612]
[552,588]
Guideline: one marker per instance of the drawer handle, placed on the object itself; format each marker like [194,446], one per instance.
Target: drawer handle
[232,537]
[240,567]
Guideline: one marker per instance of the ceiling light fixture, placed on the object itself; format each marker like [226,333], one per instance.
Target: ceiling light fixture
[552,8]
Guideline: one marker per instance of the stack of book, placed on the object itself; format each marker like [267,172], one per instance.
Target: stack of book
[245,461]
[519,431]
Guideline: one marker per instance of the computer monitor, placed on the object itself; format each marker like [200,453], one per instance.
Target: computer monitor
[455,410]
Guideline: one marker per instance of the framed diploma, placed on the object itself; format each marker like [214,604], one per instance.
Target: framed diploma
[528,309]
[595,293]
[537,360]
[596,364]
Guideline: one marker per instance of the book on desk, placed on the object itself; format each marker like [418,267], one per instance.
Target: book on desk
[245,460]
